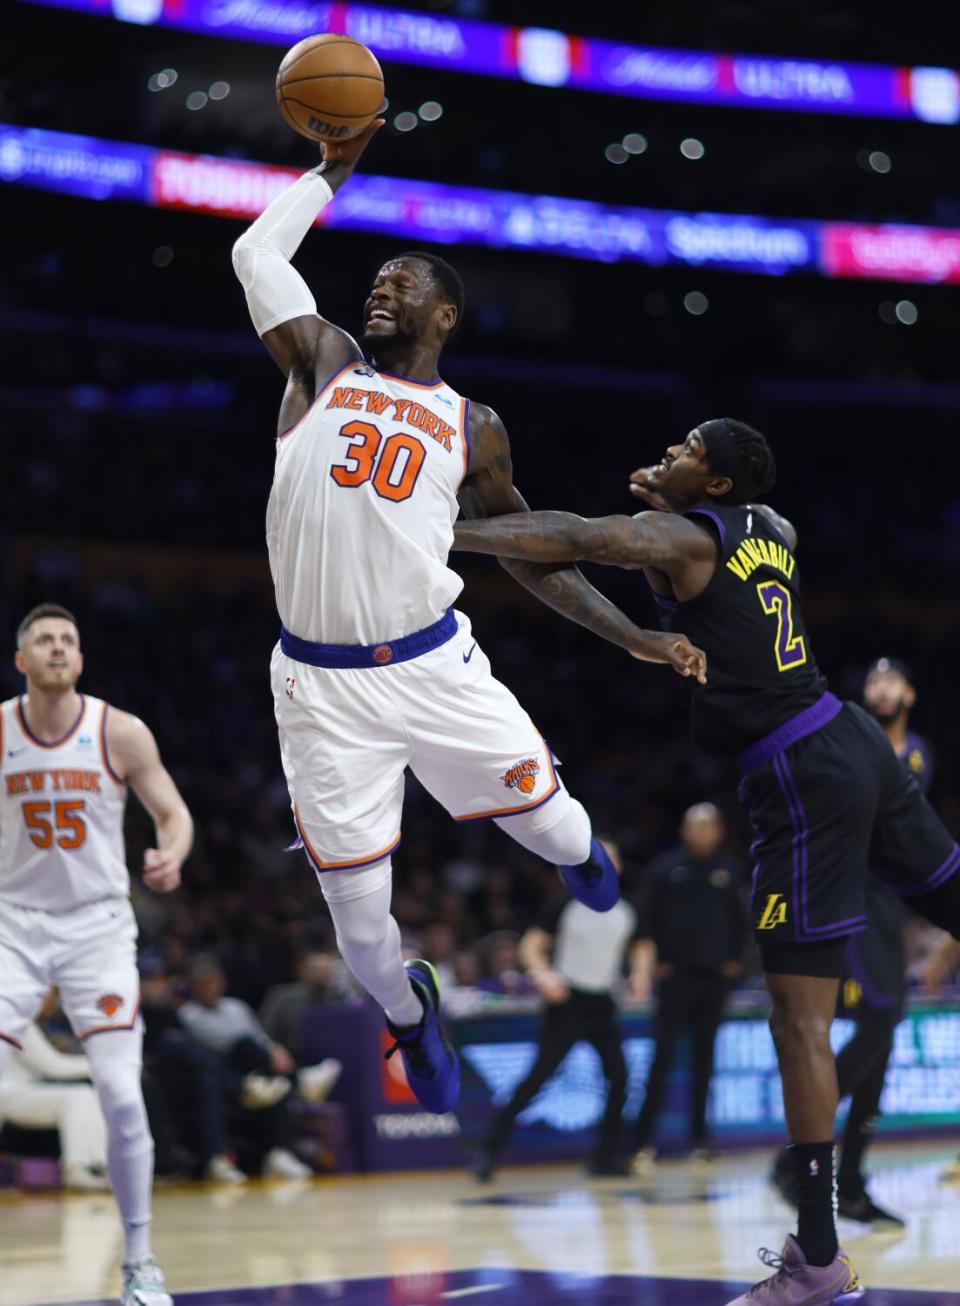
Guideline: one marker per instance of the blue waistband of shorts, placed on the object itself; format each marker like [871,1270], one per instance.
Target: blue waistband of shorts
[370,655]
[812,718]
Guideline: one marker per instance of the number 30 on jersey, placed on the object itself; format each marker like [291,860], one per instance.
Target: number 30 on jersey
[392,464]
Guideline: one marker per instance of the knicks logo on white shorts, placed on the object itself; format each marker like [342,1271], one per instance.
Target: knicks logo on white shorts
[522,775]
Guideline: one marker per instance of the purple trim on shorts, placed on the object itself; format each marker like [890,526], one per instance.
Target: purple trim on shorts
[933,880]
[803,930]
[791,731]
[882,1001]
[715,518]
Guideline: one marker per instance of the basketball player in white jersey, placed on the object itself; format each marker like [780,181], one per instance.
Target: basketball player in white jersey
[375,670]
[66,761]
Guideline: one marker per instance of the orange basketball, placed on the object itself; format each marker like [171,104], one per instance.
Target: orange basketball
[329,87]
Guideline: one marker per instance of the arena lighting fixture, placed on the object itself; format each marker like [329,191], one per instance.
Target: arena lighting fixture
[406,121]
[634,143]
[543,57]
[692,149]
[445,214]
[430,111]
[616,154]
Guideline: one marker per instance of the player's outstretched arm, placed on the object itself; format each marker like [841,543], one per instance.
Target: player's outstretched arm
[284,312]
[651,539]
[489,493]
[135,759]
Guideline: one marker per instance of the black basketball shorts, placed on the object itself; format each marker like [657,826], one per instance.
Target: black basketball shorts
[824,809]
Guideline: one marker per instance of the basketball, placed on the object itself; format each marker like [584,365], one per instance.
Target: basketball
[329,87]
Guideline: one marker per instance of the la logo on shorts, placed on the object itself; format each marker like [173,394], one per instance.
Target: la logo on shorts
[110,1004]
[774,913]
[522,775]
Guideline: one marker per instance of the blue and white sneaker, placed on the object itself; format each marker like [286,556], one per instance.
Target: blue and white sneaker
[433,1071]
[594,882]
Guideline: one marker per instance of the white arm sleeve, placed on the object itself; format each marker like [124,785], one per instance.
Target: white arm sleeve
[275,290]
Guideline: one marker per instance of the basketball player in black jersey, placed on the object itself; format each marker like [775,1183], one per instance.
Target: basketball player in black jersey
[825,791]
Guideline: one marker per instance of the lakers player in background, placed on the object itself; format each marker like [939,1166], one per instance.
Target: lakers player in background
[67,761]
[375,670]
[825,791]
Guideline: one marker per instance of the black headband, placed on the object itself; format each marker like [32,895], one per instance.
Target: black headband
[720,444]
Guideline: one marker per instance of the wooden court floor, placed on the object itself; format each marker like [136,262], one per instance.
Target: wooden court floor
[685,1236]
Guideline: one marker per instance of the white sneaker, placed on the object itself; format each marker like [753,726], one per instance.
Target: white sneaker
[221,1170]
[143,1284]
[644,1161]
[316,1082]
[88,1178]
[282,1164]
[262,1091]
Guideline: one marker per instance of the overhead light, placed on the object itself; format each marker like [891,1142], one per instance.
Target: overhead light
[691,148]
[162,80]
[196,99]
[430,111]
[162,256]
[406,121]
[907,312]
[696,302]
[219,90]
[615,154]
[634,143]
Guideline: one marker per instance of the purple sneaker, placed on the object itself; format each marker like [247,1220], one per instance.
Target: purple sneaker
[798,1284]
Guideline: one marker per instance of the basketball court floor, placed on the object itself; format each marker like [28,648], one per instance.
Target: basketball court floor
[685,1236]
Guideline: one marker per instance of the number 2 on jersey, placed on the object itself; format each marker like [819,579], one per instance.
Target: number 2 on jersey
[777,601]
[71,832]
[366,461]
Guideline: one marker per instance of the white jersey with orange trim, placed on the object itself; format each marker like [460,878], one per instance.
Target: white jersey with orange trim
[61,814]
[360,518]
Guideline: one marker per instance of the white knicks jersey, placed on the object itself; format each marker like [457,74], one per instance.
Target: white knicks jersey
[61,814]
[360,518]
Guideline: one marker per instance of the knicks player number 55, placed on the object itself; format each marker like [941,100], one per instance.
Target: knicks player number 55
[393,468]
[67,826]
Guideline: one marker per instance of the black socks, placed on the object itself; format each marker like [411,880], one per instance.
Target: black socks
[817,1231]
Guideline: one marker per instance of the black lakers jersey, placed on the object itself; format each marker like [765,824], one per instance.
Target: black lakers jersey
[760,667]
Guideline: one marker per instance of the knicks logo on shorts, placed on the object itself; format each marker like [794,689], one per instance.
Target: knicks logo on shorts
[775,912]
[110,1004]
[522,775]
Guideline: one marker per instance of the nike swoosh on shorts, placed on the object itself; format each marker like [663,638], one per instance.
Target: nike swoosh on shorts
[468,656]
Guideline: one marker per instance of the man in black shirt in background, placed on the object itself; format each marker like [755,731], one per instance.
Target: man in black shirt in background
[695,930]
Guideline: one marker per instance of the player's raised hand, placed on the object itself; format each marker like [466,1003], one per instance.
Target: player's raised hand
[641,490]
[676,650]
[348,152]
[161,870]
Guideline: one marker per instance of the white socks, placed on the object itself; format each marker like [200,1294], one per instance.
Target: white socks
[369,938]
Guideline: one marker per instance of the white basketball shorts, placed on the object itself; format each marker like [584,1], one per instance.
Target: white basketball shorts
[90,953]
[347,735]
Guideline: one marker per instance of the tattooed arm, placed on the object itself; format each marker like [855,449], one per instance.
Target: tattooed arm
[651,539]
[489,492]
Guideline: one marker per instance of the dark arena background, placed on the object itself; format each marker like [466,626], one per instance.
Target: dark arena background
[661,214]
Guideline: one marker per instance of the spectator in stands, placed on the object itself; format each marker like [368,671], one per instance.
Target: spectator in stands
[282,1011]
[42,1088]
[695,933]
[502,969]
[260,1072]
[184,1087]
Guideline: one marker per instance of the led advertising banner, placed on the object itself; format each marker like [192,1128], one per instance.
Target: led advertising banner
[440,213]
[922,1088]
[545,57]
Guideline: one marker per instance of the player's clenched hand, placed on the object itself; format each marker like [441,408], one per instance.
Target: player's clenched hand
[641,490]
[161,870]
[676,650]
[348,152]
